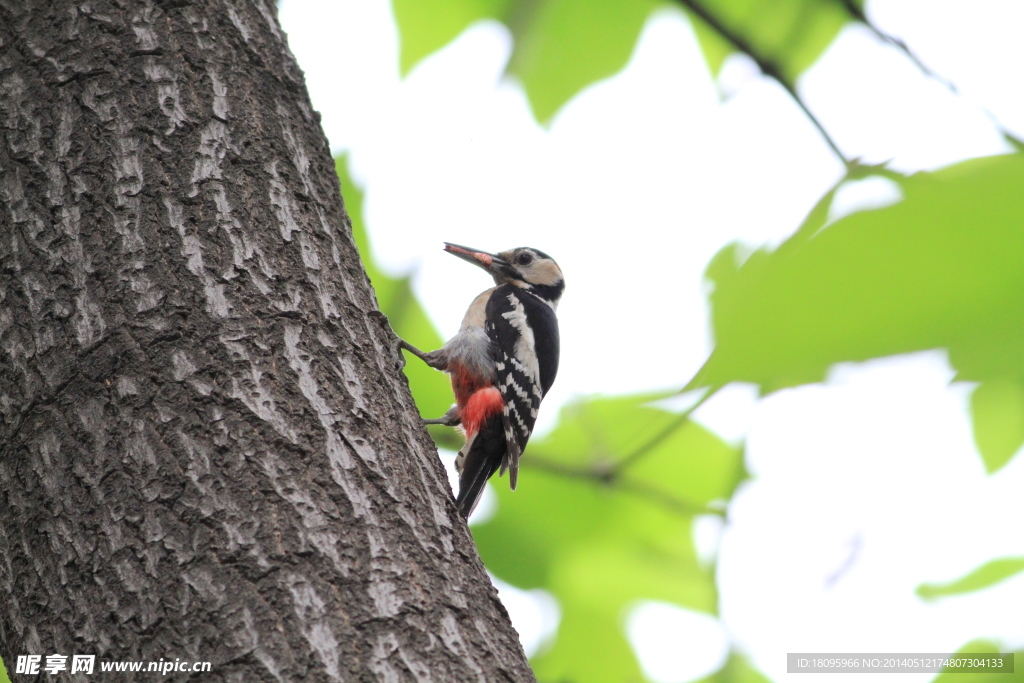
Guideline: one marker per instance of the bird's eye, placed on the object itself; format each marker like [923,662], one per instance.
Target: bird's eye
[524,259]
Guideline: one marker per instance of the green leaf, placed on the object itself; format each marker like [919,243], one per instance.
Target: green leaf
[715,48]
[589,647]
[562,46]
[790,34]
[737,669]
[601,573]
[551,518]
[428,25]
[597,551]
[984,576]
[983,647]
[997,409]
[693,463]
[666,453]
[395,298]
[941,269]
[603,518]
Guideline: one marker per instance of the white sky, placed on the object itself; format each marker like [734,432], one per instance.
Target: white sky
[636,184]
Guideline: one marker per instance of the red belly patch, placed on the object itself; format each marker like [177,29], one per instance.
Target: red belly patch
[480,406]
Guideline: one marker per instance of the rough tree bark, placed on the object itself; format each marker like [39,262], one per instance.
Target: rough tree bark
[207,452]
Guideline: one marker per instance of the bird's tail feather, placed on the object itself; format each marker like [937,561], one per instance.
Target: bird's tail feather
[477,461]
[471,486]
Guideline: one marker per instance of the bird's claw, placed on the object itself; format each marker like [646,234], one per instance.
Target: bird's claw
[449,419]
[397,355]
[396,343]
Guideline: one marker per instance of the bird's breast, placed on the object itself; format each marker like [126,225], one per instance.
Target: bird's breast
[477,313]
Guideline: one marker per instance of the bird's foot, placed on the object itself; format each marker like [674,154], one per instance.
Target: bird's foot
[449,419]
[432,358]
[395,343]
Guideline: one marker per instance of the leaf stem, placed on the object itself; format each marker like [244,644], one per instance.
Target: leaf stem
[608,477]
[658,438]
[610,473]
[768,67]
[858,14]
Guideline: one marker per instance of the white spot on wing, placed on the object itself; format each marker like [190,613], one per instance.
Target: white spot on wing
[526,350]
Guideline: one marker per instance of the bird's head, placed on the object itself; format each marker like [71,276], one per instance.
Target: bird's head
[524,267]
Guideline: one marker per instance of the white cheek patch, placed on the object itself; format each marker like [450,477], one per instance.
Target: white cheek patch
[545,272]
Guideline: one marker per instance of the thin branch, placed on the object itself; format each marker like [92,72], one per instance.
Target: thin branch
[768,67]
[858,15]
[660,437]
[605,475]
[610,473]
[596,473]
[680,506]
[855,544]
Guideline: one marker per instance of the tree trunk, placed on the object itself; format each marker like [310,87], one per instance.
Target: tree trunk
[207,451]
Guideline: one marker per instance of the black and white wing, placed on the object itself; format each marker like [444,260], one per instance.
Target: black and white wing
[524,332]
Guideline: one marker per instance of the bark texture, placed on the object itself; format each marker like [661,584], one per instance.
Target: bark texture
[206,451]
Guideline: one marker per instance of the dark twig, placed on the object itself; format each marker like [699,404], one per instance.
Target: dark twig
[606,475]
[610,472]
[768,67]
[855,545]
[660,437]
[857,14]
[599,471]
[677,505]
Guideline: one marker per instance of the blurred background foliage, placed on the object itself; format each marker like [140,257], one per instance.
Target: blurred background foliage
[608,517]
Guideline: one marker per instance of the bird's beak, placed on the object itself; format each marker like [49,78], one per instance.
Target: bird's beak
[489,262]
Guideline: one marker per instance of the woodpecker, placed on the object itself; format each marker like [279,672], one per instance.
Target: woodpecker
[502,362]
